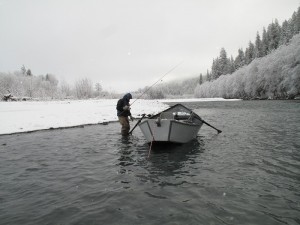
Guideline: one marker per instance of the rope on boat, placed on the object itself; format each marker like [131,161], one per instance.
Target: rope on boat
[151,143]
[150,150]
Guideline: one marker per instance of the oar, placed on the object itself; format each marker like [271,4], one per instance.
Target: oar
[219,131]
[143,115]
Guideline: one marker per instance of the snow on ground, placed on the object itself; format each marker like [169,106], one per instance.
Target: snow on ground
[18,117]
[29,116]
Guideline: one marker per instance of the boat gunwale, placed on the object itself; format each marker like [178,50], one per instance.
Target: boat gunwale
[171,107]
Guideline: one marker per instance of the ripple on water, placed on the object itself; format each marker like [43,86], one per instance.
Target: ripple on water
[248,174]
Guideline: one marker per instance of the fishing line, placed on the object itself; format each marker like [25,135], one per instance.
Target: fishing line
[160,79]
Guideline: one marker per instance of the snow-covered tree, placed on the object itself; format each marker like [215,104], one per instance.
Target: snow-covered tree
[221,65]
[271,39]
[276,75]
[23,70]
[298,20]
[258,46]
[249,53]
[65,90]
[200,79]
[273,35]
[208,76]
[240,59]
[285,34]
[224,62]
[293,23]
[52,79]
[98,89]
[215,69]
[265,42]
[156,94]
[84,88]
[28,72]
[231,65]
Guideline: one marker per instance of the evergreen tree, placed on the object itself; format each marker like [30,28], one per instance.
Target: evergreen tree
[285,34]
[231,65]
[298,20]
[293,24]
[247,56]
[274,35]
[51,79]
[220,65]
[271,39]
[265,42]
[250,53]
[258,47]
[28,72]
[277,29]
[240,59]
[200,79]
[215,69]
[224,67]
[208,76]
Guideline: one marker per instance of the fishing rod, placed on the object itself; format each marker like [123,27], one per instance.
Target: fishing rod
[160,79]
[154,84]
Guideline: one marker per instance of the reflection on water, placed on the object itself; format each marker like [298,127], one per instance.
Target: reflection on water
[248,174]
[158,160]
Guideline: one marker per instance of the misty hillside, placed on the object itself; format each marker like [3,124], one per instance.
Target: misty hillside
[172,89]
[275,76]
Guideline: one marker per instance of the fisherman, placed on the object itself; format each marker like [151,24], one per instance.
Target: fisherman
[123,112]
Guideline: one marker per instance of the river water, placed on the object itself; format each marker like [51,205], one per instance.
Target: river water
[248,174]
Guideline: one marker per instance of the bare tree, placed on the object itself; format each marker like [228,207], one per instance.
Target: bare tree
[65,90]
[23,70]
[98,88]
[83,88]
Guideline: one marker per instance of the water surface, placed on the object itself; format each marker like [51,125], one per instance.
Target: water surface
[248,174]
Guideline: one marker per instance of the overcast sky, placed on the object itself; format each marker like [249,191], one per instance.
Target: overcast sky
[128,44]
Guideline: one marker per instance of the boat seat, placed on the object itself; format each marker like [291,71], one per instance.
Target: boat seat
[181,117]
[166,115]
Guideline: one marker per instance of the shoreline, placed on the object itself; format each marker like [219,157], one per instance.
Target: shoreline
[21,117]
[59,128]
[33,116]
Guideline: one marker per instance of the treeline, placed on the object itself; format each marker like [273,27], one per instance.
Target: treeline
[275,76]
[266,69]
[23,84]
[271,38]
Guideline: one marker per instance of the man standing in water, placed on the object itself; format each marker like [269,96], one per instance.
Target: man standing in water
[123,112]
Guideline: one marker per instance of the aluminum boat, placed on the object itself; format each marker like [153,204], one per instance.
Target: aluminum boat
[177,124]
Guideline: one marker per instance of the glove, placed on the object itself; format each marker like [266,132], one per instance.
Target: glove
[131,118]
[126,107]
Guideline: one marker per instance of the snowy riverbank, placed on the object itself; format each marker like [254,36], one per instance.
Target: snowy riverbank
[18,117]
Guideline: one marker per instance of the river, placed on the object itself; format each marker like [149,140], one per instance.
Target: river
[248,174]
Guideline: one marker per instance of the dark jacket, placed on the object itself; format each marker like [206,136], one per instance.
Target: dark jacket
[121,103]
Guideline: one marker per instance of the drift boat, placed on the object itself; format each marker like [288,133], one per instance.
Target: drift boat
[177,124]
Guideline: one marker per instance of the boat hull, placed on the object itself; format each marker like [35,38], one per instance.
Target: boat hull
[169,130]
